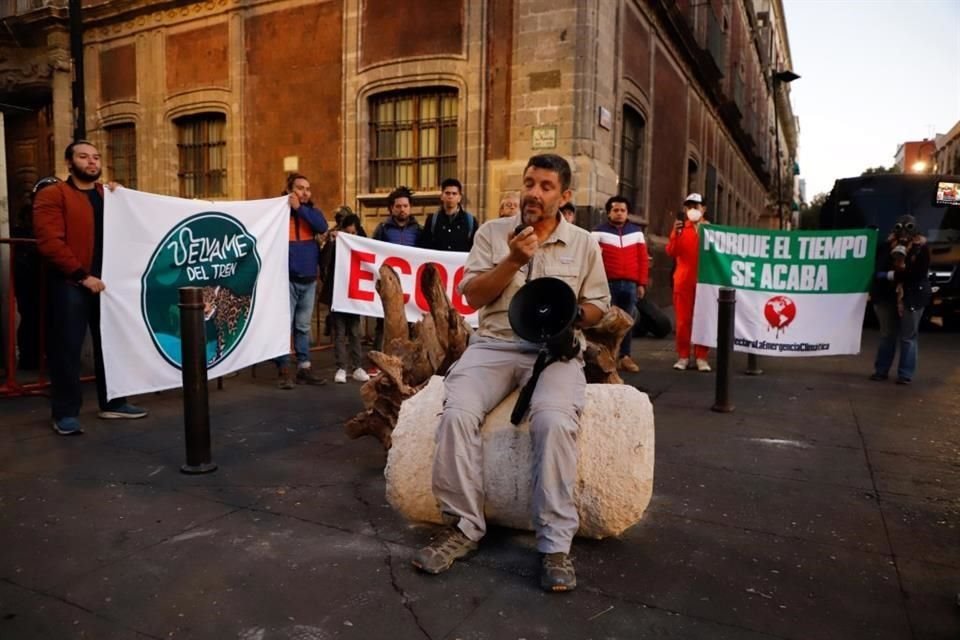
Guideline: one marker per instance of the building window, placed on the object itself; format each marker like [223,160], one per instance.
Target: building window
[122,154]
[202,150]
[631,159]
[413,139]
[693,176]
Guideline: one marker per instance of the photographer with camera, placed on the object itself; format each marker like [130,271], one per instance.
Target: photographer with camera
[496,362]
[900,292]
[683,248]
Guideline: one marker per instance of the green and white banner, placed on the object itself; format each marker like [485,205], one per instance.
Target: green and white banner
[799,293]
[153,245]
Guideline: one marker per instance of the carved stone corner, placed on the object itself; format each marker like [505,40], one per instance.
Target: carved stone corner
[59,60]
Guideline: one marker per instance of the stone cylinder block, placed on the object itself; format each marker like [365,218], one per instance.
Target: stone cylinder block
[615,467]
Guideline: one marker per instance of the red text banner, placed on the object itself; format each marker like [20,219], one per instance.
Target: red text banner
[358,265]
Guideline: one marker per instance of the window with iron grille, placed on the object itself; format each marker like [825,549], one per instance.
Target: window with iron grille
[631,159]
[122,154]
[202,151]
[413,139]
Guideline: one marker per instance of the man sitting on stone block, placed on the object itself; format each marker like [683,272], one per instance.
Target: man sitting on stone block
[497,362]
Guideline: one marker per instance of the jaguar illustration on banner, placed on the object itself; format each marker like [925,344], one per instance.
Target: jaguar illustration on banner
[213,251]
[153,245]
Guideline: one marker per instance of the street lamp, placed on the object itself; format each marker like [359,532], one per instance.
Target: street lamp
[785,76]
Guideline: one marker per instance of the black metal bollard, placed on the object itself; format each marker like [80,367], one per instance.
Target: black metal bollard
[193,367]
[725,319]
[753,365]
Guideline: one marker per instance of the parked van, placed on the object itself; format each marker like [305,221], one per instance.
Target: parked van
[876,201]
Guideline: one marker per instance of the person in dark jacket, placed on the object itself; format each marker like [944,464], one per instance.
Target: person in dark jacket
[451,228]
[401,227]
[68,223]
[304,258]
[900,292]
[344,327]
[27,275]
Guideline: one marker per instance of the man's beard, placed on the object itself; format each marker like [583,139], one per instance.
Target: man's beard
[541,212]
[81,174]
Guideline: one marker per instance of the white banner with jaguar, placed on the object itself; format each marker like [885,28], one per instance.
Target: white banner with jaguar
[799,293]
[153,245]
[358,263]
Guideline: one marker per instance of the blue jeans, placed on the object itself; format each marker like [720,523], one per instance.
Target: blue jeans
[893,330]
[623,294]
[302,296]
[71,310]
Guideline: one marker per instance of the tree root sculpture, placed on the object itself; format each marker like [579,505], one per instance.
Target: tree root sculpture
[413,354]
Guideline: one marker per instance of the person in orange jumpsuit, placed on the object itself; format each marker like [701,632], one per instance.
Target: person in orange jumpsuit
[684,249]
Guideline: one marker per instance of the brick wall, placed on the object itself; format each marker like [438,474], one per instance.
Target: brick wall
[499,60]
[197,58]
[393,30]
[636,48]
[118,73]
[669,162]
[292,101]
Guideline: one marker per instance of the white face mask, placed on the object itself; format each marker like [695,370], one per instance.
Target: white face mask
[694,215]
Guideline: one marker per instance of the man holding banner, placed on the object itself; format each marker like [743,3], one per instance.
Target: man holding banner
[68,221]
[304,261]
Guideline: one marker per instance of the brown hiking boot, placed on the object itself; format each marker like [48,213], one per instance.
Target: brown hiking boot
[305,376]
[627,364]
[284,381]
[438,556]
[557,573]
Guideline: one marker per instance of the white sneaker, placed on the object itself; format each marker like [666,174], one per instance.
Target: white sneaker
[681,364]
[703,365]
[340,377]
[360,375]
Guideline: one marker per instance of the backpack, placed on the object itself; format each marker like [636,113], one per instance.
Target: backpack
[471,223]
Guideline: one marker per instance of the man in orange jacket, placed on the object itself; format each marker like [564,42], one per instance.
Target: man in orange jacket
[684,248]
[68,223]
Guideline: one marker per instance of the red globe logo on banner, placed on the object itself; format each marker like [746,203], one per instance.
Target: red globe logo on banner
[779,312]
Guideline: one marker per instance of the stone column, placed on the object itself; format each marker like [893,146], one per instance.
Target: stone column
[61,79]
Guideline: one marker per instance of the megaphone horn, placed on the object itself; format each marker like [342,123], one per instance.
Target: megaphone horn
[543,310]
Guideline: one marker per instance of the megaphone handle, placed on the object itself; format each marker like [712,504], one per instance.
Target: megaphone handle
[526,394]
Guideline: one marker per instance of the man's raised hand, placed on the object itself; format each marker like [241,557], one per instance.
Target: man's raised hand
[522,246]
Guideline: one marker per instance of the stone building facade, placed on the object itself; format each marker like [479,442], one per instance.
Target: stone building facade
[947,159]
[219,98]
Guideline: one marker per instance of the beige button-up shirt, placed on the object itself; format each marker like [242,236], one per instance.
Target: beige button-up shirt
[570,254]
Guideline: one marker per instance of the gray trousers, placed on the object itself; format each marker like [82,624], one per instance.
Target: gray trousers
[488,371]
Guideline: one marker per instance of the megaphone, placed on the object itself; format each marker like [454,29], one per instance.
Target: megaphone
[543,312]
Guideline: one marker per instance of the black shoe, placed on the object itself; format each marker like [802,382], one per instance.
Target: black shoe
[284,381]
[878,377]
[305,376]
[904,380]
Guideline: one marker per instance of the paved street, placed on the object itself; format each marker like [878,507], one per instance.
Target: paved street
[826,506]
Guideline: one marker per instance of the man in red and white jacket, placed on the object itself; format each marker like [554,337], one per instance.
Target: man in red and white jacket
[627,264]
